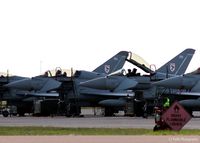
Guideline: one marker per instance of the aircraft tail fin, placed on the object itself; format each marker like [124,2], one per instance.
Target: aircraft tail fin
[113,64]
[179,64]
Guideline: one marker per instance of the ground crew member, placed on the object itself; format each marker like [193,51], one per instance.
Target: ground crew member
[160,123]
[158,120]
[166,103]
[129,73]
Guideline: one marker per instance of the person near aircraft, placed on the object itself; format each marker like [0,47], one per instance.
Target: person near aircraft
[132,73]
[129,73]
[160,124]
[65,74]
[166,103]
[58,73]
[46,74]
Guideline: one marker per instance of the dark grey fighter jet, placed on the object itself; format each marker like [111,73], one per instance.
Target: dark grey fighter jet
[9,96]
[188,92]
[113,90]
[132,84]
[42,86]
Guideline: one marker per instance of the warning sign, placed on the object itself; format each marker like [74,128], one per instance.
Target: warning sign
[176,116]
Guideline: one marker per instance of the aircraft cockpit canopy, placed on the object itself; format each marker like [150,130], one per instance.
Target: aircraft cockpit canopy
[139,59]
[59,72]
[139,62]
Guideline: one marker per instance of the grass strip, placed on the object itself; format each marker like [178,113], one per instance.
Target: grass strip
[88,131]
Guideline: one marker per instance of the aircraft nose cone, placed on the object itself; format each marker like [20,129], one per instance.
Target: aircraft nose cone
[37,84]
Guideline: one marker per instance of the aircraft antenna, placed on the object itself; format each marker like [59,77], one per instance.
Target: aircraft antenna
[7,75]
[72,74]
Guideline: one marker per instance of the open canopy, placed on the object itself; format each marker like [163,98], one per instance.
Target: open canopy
[139,62]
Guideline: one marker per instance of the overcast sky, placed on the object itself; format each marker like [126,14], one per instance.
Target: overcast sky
[38,35]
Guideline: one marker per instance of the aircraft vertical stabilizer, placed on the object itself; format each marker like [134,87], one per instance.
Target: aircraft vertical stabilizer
[179,64]
[113,64]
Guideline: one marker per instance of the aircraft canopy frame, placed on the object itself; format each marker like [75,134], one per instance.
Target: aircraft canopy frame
[139,62]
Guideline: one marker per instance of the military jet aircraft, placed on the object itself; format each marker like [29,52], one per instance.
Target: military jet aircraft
[42,86]
[113,90]
[188,92]
[8,96]
[12,98]
[140,86]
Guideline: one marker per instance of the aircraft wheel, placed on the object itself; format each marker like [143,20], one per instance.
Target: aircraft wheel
[5,113]
[21,113]
[14,114]
[108,112]
[68,115]
[145,115]
[73,111]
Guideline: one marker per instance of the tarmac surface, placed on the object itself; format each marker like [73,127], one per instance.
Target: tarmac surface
[93,122]
[89,122]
